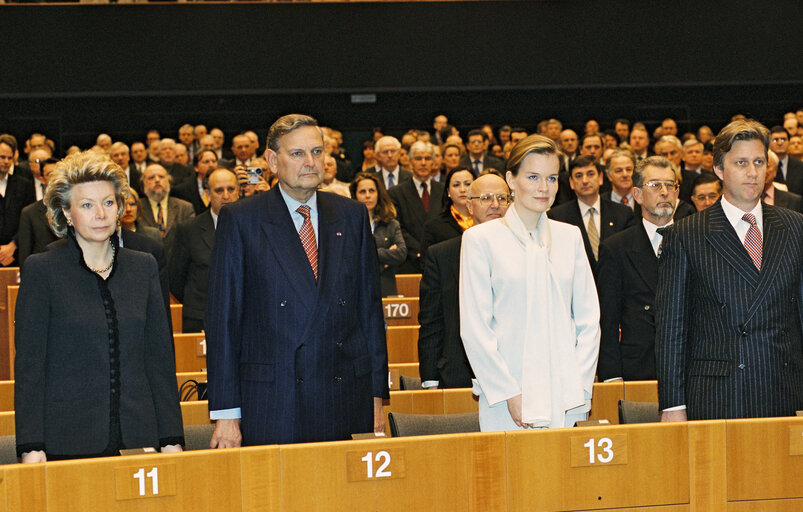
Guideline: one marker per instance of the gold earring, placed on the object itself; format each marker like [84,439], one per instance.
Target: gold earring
[69,222]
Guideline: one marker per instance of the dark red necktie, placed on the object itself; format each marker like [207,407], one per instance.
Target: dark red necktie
[425,196]
[307,235]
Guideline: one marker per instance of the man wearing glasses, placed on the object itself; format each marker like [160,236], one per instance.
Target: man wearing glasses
[627,274]
[442,359]
[729,302]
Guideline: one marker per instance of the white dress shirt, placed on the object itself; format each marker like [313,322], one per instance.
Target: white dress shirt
[585,212]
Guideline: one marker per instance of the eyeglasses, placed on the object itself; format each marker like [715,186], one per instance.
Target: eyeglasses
[486,199]
[657,186]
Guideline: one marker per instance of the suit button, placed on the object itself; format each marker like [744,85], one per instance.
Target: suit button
[741,366]
[723,305]
[794,299]
[283,303]
[647,307]
[339,343]
[744,334]
[299,380]
[338,379]
[342,302]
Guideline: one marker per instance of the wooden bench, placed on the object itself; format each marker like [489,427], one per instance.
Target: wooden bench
[402,344]
[407,285]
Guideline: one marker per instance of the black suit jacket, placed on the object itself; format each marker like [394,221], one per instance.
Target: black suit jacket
[179,173]
[441,355]
[189,264]
[794,176]
[686,184]
[188,191]
[135,179]
[302,359]
[788,200]
[404,175]
[441,228]
[385,236]
[488,162]
[411,216]
[627,275]
[66,378]
[613,219]
[143,243]
[729,340]
[19,194]
[34,232]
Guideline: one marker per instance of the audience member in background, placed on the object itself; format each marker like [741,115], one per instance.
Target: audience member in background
[488,129]
[619,168]
[182,155]
[707,163]
[330,183]
[670,147]
[529,316]
[728,302]
[706,190]
[222,154]
[504,135]
[186,135]
[451,158]
[592,146]
[121,155]
[517,134]
[774,194]
[159,210]
[18,194]
[251,184]
[796,147]
[455,217]
[153,152]
[704,134]
[200,132]
[105,142]
[390,246]
[192,249]
[36,158]
[639,142]
[440,122]
[591,127]
[692,167]
[568,145]
[369,161]
[243,150]
[477,158]
[130,220]
[387,154]
[627,275]
[193,191]
[597,218]
[417,200]
[669,127]
[622,129]
[34,231]
[790,171]
[553,129]
[151,137]
[139,157]
[442,358]
[167,158]
[91,329]
[791,126]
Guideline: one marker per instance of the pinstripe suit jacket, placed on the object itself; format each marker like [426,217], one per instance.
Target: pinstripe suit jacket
[728,342]
[302,360]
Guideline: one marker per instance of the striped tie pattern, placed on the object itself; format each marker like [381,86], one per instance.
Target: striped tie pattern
[753,242]
[593,234]
[307,235]
[160,220]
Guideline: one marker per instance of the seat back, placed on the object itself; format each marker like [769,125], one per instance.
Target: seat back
[404,425]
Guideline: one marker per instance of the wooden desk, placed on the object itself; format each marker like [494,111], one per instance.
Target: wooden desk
[400,310]
[175,317]
[605,401]
[407,284]
[11,296]
[190,352]
[8,277]
[402,344]
[641,391]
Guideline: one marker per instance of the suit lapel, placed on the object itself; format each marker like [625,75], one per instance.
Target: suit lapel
[281,235]
[207,229]
[642,257]
[147,212]
[774,240]
[608,221]
[723,238]
[330,247]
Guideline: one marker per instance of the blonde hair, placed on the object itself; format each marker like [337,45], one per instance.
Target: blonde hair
[82,167]
[537,144]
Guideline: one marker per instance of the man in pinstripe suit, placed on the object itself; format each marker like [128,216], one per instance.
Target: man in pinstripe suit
[729,341]
[294,326]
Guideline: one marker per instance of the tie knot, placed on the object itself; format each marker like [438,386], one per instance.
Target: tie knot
[660,231]
[304,211]
[749,218]
[592,211]
[424,185]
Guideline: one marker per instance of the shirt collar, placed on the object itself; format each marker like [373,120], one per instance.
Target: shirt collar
[214,217]
[651,228]
[293,204]
[418,183]
[584,207]
[734,214]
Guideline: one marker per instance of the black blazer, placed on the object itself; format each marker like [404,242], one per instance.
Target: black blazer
[77,338]
[188,191]
[135,179]
[441,228]
[441,355]
[19,194]
[386,235]
[613,219]
[729,342]
[34,232]
[404,175]
[411,216]
[144,243]
[189,264]
[488,161]
[788,200]
[794,176]
[179,173]
[626,276]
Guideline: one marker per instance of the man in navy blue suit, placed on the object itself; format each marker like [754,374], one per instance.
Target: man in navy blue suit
[294,326]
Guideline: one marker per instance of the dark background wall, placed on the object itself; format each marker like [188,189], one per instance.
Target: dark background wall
[72,71]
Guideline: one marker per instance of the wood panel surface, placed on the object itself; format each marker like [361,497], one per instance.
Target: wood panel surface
[408,284]
[402,344]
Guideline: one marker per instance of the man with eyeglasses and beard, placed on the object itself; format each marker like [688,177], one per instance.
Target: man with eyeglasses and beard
[627,274]
[442,359]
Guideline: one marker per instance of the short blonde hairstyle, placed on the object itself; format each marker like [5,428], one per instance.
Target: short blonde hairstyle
[82,167]
[537,144]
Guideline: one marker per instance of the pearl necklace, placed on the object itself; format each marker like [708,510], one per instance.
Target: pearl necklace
[103,271]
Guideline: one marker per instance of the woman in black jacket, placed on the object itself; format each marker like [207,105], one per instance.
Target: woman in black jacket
[94,366]
[454,219]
